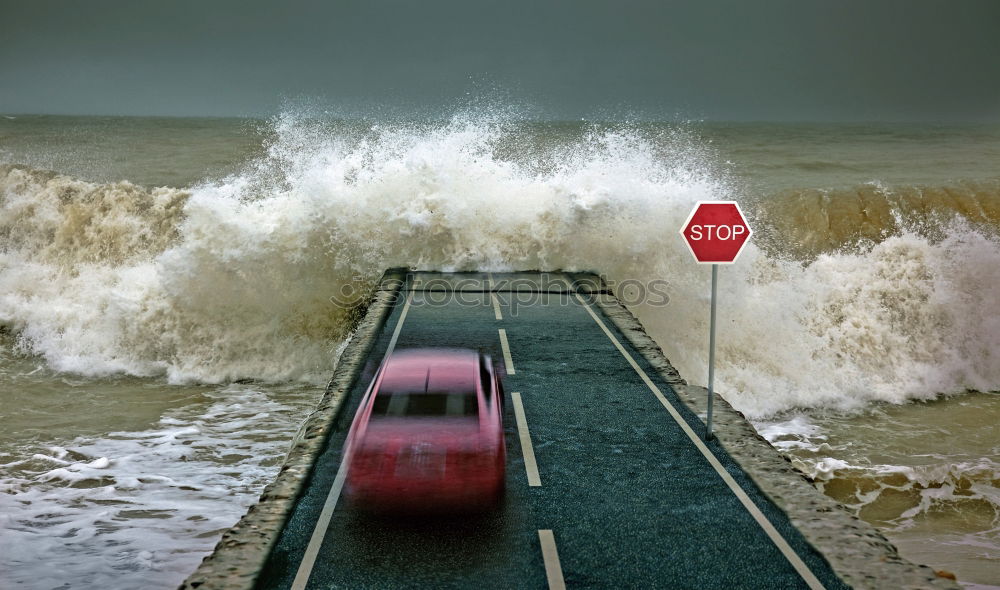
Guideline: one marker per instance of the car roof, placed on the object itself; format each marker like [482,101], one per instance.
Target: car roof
[435,370]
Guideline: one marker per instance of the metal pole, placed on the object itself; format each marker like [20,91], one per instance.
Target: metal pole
[711,353]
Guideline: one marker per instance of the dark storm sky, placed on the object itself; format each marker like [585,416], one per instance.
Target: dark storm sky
[741,60]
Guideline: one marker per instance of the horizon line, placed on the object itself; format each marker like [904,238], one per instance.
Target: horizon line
[527,119]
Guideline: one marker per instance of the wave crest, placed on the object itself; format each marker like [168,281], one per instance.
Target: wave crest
[806,223]
[233,279]
[61,220]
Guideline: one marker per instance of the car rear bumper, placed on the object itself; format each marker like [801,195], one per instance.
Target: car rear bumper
[413,495]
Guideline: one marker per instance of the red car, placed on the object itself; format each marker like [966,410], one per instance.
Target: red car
[428,435]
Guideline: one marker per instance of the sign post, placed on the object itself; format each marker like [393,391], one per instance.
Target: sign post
[715,232]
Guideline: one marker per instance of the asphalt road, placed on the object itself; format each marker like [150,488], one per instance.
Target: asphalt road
[624,497]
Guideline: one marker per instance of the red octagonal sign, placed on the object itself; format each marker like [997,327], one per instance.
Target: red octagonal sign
[716,232]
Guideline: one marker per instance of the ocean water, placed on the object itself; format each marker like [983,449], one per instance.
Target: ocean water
[166,318]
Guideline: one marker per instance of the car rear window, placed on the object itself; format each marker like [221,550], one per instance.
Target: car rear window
[425,404]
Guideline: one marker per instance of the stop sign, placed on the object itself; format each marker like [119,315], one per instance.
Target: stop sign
[716,232]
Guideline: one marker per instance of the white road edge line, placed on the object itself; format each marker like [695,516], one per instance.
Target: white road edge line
[507,361]
[553,571]
[319,533]
[526,449]
[758,516]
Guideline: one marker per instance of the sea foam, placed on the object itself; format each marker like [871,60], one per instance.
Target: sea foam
[233,279]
